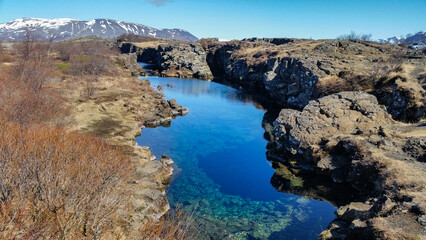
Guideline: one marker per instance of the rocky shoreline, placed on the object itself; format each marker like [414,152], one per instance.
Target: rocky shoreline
[121,107]
[353,112]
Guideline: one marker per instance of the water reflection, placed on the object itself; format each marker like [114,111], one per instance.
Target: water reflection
[219,147]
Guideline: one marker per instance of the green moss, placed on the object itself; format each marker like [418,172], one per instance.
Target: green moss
[64,67]
[285,173]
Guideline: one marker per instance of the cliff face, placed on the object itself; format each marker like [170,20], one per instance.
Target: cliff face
[175,59]
[293,72]
[285,80]
[351,139]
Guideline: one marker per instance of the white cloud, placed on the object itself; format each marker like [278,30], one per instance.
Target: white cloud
[159,2]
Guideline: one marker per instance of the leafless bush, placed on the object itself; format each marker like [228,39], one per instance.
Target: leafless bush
[55,184]
[24,106]
[90,85]
[354,36]
[34,73]
[89,65]
[88,68]
[176,225]
[383,68]
[97,48]
[25,48]
[34,67]
[67,49]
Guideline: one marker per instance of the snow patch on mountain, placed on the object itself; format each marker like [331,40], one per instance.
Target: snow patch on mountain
[418,37]
[63,28]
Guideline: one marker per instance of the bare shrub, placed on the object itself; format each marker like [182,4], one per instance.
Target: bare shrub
[65,50]
[89,65]
[176,225]
[354,36]
[34,67]
[88,68]
[34,73]
[90,85]
[25,48]
[206,42]
[24,106]
[58,185]
[382,69]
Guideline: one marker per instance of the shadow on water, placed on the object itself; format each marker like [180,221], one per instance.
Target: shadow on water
[220,148]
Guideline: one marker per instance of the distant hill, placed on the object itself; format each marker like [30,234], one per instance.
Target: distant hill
[63,28]
[418,37]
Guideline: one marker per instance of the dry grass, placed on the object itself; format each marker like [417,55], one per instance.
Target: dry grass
[6,58]
[130,37]
[334,84]
[150,44]
[402,226]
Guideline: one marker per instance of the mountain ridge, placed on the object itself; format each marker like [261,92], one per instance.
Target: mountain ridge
[417,37]
[57,29]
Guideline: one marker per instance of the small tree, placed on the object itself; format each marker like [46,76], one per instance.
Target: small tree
[26,47]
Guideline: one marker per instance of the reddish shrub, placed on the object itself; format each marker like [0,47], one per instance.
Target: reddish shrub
[55,184]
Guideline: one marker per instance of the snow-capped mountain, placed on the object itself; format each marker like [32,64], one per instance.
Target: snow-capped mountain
[391,40]
[418,37]
[63,28]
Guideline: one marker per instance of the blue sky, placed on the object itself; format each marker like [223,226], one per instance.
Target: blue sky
[236,19]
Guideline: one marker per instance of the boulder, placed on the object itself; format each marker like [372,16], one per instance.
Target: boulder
[301,132]
[289,81]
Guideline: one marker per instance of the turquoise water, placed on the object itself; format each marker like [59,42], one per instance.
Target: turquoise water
[220,152]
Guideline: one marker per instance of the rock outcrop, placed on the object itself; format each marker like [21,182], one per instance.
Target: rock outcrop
[405,101]
[302,132]
[291,72]
[175,59]
[289,81]
[351,139]
[129,63]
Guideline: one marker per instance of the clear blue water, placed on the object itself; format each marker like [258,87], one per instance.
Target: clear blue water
[220,152]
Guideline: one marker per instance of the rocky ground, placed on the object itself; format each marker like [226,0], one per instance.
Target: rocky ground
[353,117]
